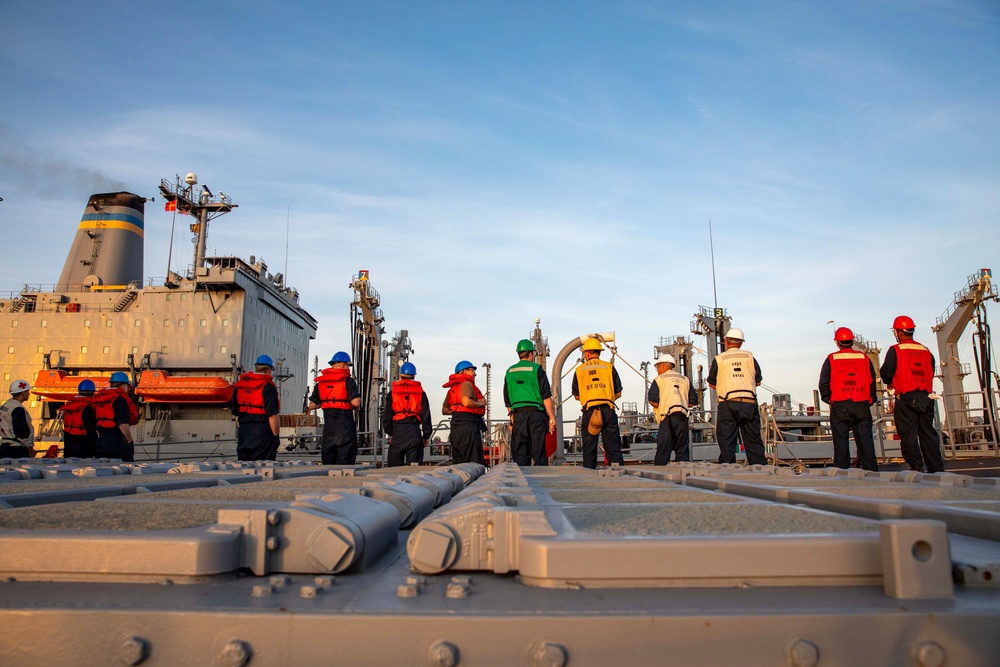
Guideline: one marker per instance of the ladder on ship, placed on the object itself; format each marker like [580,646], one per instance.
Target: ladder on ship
[124,300]
[157,429]
[24,302]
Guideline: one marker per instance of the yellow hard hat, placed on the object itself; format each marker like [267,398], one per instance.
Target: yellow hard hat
[592,344]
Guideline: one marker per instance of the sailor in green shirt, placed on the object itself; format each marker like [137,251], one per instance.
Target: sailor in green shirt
[528,397]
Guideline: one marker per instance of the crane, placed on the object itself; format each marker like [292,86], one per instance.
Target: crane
[969,305]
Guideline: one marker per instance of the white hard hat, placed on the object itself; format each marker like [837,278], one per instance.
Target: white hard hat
[735,334]
[18,386]
[665,359]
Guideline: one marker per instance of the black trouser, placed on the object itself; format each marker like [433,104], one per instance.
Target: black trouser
[914,417]
[610,435]
[79,446]
[407,443]
[466,438]
[743,417]
[340,437]
[12,450]
[527,437]
[111,445]
[672,436]
[856,417]
[256,442]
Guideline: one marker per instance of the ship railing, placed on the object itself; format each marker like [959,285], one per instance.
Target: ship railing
[981,433]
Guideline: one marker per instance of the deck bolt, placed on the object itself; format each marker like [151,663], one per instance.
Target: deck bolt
[802,653]
[272,543]
[457,590]
[929,654]
[408,591]
[273,517]
[279,580]
[262,590]
[443,654]
[550,655]
[133,651]
[236,653]
[308,591]
[324,582]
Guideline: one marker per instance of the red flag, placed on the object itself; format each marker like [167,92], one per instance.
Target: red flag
[170,205]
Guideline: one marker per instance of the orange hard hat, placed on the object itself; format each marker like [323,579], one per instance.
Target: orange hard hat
[843,333]
[903,322]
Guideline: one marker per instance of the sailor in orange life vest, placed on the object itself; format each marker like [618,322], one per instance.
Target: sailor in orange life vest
[17,435]
[337,393]
[116,414]
[80,423]
[465,403]
[737,410]
[909,370]
[847,383]
[671,396]
[596,385]
[256,406]
[406,418]
[528,397]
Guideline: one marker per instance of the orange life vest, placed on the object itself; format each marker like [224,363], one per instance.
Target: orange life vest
[850,376]
[104,407]
[250,392]
[914,368]
[407,398]
[73,414]
[332,383]
[454,386]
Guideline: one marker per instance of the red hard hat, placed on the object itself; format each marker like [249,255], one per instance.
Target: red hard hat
[843,333]
[903,322]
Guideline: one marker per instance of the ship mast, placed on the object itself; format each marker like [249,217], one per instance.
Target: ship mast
[203,205]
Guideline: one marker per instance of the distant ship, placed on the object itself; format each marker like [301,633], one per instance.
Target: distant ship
[182,339]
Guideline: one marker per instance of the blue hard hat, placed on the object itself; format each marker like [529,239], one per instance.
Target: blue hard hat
[407,369]
[88,385]
[264,360]
[341,358]
[462,365]
[117,377]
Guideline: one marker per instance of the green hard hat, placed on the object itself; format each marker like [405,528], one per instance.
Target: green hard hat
[525,345]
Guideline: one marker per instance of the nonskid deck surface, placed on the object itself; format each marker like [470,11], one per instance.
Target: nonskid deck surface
[293,563]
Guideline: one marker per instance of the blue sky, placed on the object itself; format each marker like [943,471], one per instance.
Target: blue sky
[494,162]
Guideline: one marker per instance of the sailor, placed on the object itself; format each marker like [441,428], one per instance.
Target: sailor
[256,405]
[337,393]
[80,423]
[17,435]
[528,397]
[847,384]
[406,418]
[116,414]
[672,396]
[596,385]
[730,376]
[908,370]
[466,405]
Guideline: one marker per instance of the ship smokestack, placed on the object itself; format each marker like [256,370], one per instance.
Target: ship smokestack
[108,246]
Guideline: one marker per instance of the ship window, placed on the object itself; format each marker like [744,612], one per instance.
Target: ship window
[40,349]
[106,349]
[181,323]
[255,328]
[83,349]
[204,297]
[170,297]
[163,350]
[6,376]
[204,323]
[166,323]
[13,323]
[184,297]
[201,349]
[107,322]
[45,323]
[86,324]
[10,350]
[222,350]
[135,350]
[225,323]
[34,403]
[138,323]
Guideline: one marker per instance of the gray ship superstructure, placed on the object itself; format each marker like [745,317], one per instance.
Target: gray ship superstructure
[182,339]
